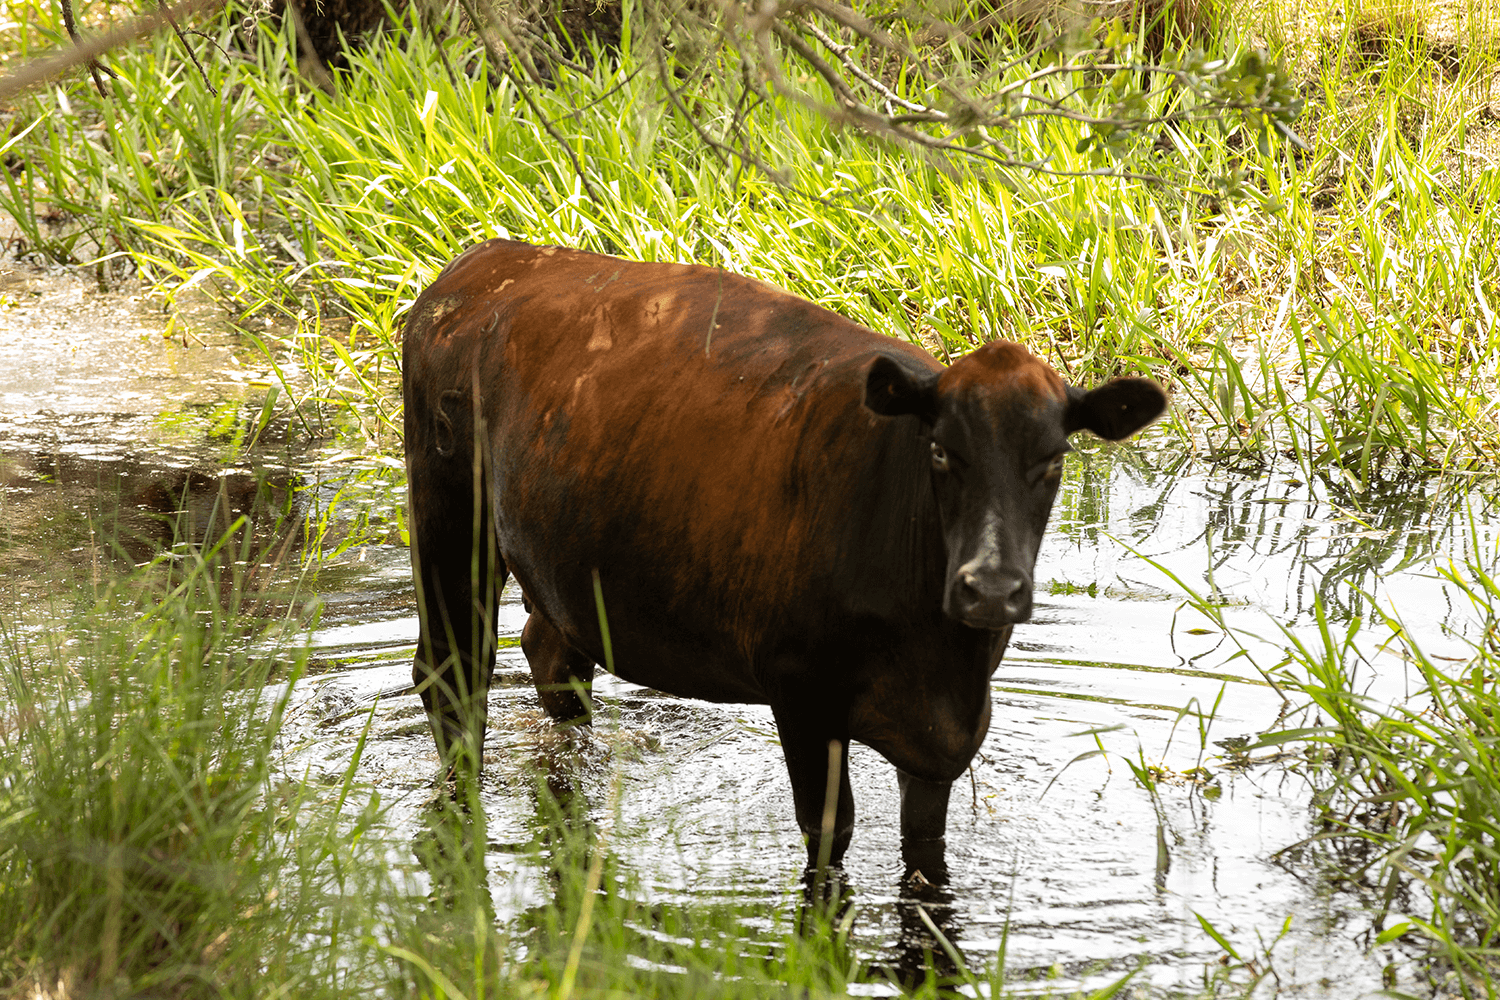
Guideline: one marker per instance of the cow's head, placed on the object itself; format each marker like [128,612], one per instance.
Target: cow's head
[999,421]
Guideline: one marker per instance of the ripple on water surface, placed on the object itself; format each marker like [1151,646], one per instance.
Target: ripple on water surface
[1091,876]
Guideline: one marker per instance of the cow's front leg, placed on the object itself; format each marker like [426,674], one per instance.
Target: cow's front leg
[817,760]
[924,825]
[563,676]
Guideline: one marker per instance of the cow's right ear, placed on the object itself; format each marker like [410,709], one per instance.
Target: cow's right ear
[893,389]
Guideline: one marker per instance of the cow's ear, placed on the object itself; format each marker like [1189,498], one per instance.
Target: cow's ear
[894,389]
[1116,409]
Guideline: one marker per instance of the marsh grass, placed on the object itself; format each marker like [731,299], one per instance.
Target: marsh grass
[1409,792]
[149,843]
[1339,311]
[1405,792]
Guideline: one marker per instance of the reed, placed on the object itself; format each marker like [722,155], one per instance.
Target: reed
[1329,303]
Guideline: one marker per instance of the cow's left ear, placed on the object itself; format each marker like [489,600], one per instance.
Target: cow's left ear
[893,389]
[1116,409]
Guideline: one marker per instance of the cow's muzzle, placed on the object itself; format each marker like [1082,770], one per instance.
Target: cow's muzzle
[988,597]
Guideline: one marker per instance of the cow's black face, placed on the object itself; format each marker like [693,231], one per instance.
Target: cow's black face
[999,421]
[995,482]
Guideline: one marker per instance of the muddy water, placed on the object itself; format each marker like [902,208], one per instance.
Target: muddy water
[105,427]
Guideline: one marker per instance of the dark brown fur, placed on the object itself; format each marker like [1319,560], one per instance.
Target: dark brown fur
[752,479]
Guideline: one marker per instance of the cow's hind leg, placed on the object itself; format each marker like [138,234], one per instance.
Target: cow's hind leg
[815,758]
[562,675]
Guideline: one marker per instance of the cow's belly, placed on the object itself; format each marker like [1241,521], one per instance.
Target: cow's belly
[682,654]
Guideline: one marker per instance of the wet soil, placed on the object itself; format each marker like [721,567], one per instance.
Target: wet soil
[117,443]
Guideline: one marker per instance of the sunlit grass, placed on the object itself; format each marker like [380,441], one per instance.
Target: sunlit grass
[1340,314]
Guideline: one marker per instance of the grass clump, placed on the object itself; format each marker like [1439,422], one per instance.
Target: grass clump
[1339,313]
[150,845]
[1407,794]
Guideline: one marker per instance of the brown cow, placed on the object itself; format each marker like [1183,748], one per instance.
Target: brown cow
[777,505]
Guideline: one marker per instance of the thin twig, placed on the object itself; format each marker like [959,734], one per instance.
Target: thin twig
[167,13]
[94,65]
[427,18]
[557,137]
[842,51]
[509,45]
[46,67]
[865,28]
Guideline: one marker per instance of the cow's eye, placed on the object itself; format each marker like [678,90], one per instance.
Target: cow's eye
[1055,467]
[939,457]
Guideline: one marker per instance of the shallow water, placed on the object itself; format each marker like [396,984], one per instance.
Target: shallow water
[105,427]
[1067,855]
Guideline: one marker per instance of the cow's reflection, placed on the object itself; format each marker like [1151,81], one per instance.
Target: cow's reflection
[929,928]
[925,948]
[451,846]
[115,514]
[573,812]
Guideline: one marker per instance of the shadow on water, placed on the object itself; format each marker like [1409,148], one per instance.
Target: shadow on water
[1056,853]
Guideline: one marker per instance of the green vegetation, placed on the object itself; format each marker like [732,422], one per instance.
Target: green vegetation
[1409,793]
[157,838]
[1338,312]
[1406,791]
[1331,304]
[150,842]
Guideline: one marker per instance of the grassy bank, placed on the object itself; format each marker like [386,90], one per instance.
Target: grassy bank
[1338,313]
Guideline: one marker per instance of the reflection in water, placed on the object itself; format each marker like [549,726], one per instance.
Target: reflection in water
[1273,539]
[94,516]
[926,909]
[451,846]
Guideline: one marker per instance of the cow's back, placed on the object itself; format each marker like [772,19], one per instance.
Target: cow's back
[695,437]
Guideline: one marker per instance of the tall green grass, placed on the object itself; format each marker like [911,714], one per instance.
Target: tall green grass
[1339,314]
[1405,792]
[1408,800]
[149,843]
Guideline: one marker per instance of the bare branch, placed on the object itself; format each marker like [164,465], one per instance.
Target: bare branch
[889,95]
[167,13]
[46,67]
[95,66]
